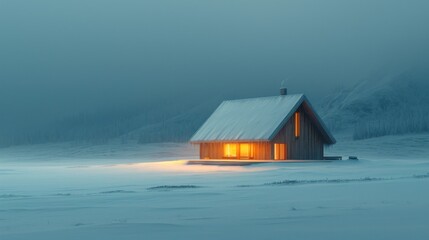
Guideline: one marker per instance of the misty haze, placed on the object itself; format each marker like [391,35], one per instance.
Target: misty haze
[102,69]
[116,120]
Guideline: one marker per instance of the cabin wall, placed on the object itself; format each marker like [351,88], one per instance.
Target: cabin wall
[214,150]
[211,151]
[309,145]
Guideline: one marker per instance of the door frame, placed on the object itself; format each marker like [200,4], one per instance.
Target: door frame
[276,155]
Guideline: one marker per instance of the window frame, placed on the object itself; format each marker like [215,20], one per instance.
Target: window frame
[251,151]
[230,156]
[297,124]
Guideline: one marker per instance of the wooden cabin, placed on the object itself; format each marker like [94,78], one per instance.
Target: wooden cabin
[268,128]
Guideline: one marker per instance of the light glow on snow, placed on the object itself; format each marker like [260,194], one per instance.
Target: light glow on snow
[181,166]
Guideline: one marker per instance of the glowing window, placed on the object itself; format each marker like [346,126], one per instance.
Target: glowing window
[230,150]
[297,124]
[246,150]
[279,151]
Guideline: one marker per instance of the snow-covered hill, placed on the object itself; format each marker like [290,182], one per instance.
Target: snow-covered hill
[381,105]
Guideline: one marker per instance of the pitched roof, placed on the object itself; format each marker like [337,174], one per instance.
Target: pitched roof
[255,119]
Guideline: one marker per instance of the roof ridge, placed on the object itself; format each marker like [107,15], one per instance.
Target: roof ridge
[254,98]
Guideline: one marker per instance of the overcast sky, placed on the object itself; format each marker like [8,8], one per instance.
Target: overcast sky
[61,57]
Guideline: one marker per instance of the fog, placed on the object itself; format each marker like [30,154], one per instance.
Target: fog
[61,58]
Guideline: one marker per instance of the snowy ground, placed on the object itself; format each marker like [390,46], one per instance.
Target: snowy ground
[68,191]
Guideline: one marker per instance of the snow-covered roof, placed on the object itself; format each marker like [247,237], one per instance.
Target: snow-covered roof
[254,119]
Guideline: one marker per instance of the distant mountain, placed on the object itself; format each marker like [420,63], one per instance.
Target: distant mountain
[381,105]
[178,128]
[385,104]
[171,122]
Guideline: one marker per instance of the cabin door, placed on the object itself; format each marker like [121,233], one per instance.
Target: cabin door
[280,151]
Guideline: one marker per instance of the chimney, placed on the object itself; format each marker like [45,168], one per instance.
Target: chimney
[283,91]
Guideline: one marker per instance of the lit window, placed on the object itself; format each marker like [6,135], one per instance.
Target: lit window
[297,124]
[230,150]
[279,151]
[246,151]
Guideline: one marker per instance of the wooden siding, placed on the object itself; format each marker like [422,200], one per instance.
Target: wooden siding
[214,150]
[309,145]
